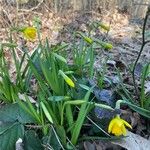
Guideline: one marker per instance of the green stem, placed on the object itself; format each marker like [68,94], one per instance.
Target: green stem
[142,94]
[141,50]
[118,103]
[80,102]
[101,106]
[91,62]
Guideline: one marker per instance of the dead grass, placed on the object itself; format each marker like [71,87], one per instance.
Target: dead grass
[56,27]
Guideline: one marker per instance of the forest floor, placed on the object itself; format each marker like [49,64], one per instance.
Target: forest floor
[125,36]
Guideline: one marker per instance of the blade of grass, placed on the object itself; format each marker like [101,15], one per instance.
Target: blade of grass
[143,79]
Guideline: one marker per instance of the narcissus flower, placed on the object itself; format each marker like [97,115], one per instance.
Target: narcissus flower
[29,33]
[67,79]
[117,126]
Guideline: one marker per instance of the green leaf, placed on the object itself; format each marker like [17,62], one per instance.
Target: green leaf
[61,133]
[80,119]
[46,112]
[51,140]
[59,57]
[37,74]
[111,138]
[31,141]
[61,47]
[32,109]
[85,87]
[58,98]
[10,45]
[147,102]
[9,134]
[13,112]
[140,110]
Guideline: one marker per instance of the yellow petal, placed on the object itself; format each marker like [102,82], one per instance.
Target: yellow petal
[29,33]
[110,126]
[127,124]
[116,130]
[124,131]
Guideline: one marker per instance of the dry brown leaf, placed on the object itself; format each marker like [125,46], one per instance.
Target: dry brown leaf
[134,142]
[19,144]
[22,97]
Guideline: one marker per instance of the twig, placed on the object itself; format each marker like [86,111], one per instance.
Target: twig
[144,42]
[5,17]
[36,7]
[34,126]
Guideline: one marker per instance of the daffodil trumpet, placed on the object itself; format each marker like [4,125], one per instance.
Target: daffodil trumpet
[117,126]
[29,33]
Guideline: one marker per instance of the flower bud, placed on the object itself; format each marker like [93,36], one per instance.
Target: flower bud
[67,79]
[105,27]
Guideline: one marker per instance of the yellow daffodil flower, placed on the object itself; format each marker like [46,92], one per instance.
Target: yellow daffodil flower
[117,126]
[67,79]
[29,33]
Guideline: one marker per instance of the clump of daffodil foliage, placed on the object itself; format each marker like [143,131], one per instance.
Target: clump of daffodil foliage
[55,112]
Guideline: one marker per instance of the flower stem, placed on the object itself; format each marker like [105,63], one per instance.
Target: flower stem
[144,42]
[118,103]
